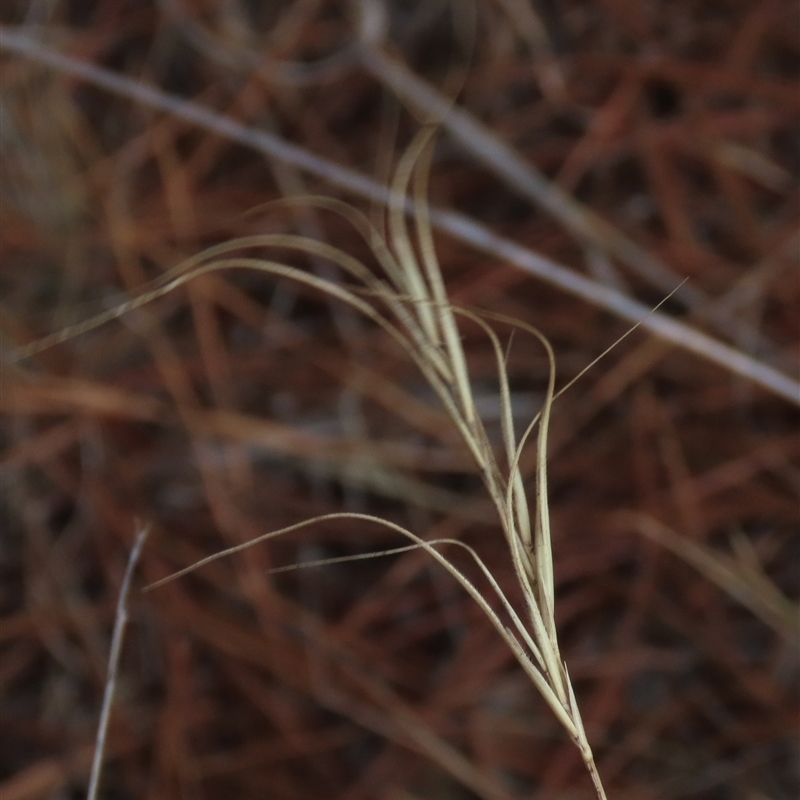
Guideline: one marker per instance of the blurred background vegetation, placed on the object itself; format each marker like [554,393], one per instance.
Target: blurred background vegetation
[240,404]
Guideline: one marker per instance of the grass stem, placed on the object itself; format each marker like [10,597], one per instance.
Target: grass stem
[118,636]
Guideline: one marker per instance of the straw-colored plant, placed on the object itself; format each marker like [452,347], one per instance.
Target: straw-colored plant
[409,301]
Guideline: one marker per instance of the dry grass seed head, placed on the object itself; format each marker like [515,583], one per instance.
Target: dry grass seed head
[418,315]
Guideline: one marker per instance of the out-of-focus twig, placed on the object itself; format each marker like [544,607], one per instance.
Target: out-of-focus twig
[457,225]
[120,622]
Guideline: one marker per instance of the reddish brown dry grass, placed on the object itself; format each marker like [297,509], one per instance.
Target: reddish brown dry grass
[239,405]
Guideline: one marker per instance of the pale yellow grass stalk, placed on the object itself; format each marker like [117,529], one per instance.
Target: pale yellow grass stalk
[409,301]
